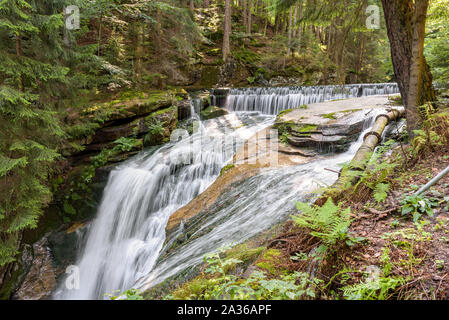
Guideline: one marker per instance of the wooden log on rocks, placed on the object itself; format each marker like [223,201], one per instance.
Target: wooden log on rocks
[349,176]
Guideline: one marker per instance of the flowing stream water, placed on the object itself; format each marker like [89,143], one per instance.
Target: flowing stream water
[272,100]
[128,234]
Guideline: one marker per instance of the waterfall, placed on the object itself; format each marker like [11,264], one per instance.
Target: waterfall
[259,203]
[272,100]
[124,240]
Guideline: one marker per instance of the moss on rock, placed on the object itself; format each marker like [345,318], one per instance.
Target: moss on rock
[268,261]
[213,112]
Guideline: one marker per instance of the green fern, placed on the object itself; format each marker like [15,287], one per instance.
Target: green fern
[329,223]
[379,288]
[381,192]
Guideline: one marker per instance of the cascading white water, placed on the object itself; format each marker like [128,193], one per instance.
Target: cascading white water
[124,240]
[273,100]
[258,203]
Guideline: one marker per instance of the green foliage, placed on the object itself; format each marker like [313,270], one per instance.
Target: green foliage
[125,144]
[381,192]
[378,285]
[329,223]
[376,177]
[434,132]
[221,285]
[436,42]
[30,135]
[246,56]
[284,137]
[226,168]
[130,294]
[268,261]
[417,205]
[378,288]
[330,116]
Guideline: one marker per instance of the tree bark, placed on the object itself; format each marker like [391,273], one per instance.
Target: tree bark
[399,19]
[227,30]
[300,23]
[295,20]
[139,51]
[290,21]
[248,26]
[99,35]
[414,120]
[245,6]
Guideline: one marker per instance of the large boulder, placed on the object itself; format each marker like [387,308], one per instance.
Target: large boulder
[330,133]
[40,280]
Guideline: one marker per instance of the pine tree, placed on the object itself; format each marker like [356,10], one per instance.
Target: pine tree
[30,46]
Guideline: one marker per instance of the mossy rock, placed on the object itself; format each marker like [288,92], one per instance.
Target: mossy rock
[213,112]
[226,168]
[284,127]
[243,253]
[268,261]
[131,105]
[158,126]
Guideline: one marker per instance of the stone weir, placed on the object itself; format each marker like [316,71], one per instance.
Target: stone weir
[272,100]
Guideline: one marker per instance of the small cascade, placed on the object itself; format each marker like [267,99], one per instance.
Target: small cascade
[196,105]
[272,100]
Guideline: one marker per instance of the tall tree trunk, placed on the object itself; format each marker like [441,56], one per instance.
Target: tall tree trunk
[248,26]
[276,23]
[227,30]
[245,14]
[398,17]
[360,57]
[414,119]
[300,23]
[138,66]
[295,20]
[158,35]
[290,21]
[99,34]
[192,6]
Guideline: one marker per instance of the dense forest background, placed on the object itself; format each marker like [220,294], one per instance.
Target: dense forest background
[48,73]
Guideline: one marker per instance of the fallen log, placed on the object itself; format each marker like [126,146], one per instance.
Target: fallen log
[352,173]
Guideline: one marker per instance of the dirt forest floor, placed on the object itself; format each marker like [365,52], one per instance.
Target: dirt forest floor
[394,246]
[419,254]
